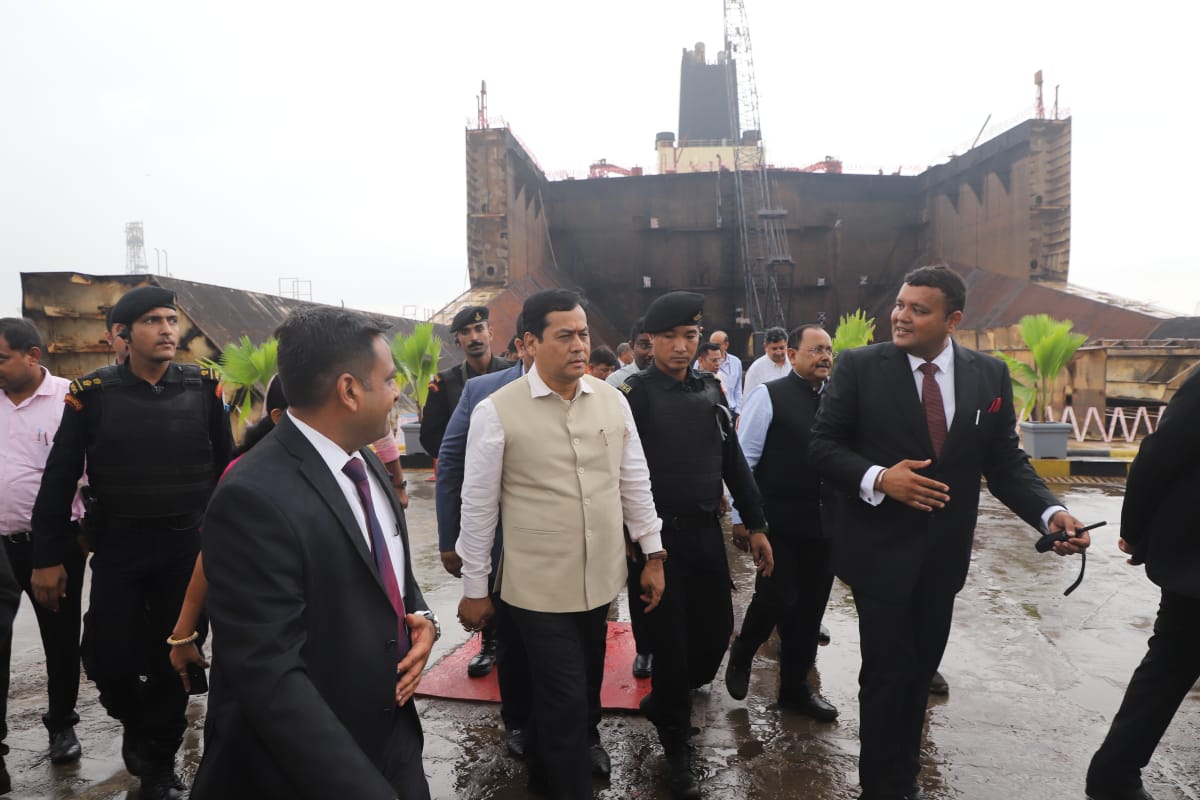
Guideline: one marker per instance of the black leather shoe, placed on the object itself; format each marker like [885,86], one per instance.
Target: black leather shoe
[807,702]
[683,779]
[642,664]
[161,785]
[483,661]
[646,705]
[1139,793]
[64,746]
[5,779]
[823,635]
[737,673]
[601,763]
[938,685]
[514,740]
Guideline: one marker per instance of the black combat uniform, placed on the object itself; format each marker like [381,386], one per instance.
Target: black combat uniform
[690,444]
[444,391]
[153,455]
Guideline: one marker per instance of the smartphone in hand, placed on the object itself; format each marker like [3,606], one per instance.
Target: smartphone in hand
[198,679]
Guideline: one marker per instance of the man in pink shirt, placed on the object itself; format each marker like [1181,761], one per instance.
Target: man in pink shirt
[31,406]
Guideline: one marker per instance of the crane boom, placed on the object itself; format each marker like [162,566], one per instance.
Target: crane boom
[762,229]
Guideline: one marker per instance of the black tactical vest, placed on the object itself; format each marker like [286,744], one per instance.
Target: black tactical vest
[151,456]
[683,434]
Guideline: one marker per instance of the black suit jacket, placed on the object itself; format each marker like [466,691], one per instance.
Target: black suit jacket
[1159,515]
[302,703]
[871,414]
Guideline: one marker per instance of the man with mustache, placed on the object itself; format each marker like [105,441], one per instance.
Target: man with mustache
[473,333]
[155,436]
[774,432]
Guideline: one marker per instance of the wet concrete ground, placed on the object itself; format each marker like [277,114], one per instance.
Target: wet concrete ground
[1035,678]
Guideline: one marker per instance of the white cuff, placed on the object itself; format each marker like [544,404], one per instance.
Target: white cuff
[866,488]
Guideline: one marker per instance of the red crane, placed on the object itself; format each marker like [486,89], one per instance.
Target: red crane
[602,169]
[828,165]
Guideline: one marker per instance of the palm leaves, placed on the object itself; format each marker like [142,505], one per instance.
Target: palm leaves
[1052,346]
[853,330]
[245,367]
[417,360]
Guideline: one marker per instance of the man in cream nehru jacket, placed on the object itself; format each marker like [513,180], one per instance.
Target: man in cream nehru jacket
[557,454]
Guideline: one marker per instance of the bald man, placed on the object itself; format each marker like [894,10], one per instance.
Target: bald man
[731,369]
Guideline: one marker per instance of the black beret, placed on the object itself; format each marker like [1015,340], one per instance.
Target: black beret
[468,316]
[138,301]
[275,397]
[674,308]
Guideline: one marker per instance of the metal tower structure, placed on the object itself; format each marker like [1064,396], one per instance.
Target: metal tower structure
[762,231]
[135,250]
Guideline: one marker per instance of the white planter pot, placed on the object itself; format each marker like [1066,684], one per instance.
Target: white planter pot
[1045,439]
[412,438]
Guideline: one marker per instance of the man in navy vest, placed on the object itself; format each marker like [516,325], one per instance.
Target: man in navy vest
[774,429]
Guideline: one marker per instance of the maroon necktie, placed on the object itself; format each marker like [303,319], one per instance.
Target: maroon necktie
[355,470]
[935,410]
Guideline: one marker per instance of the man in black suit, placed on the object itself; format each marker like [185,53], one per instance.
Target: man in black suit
[909,496]
[321,630]
[1158,528]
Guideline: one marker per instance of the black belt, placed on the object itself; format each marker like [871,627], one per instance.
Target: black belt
[20,537]
[177,522]
[683,522]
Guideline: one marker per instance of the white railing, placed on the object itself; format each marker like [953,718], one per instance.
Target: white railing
[1142,416]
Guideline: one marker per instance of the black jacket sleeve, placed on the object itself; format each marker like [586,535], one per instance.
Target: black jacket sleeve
[434,419]
[738,476]
[52,529]
[1169,455]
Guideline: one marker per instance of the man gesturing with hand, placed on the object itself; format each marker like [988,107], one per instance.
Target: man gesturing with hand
[905,432]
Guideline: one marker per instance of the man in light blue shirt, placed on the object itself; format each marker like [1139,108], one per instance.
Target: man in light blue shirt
[731,369]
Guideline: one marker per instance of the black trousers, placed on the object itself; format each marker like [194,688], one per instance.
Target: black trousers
[10,600]
[792,599]
[902,642]
[691,627]
[1158,686]
[566,661]
[512,668]
[139,579]
[639,623]
[59,631]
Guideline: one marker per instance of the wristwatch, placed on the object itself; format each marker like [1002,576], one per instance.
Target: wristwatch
[432,617]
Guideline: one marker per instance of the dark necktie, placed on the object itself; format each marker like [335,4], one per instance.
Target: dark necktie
[355,470]
[935,409]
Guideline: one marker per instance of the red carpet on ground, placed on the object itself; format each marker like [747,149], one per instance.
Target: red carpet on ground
[620,690]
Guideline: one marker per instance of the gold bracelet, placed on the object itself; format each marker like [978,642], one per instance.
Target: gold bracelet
[185,640]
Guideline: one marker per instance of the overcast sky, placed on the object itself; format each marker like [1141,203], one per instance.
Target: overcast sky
[325,140]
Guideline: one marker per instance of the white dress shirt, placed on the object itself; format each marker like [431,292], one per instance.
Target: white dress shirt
[335,458]
[762,370]
[483,476]
[27,432]
[618,377]
[731,370]
[945,381]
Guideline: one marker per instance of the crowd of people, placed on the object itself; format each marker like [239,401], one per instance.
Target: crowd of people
[564,476]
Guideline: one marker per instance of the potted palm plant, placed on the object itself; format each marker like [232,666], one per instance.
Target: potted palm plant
[1052,346]
[853,330]
[416,357]
[245,369]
